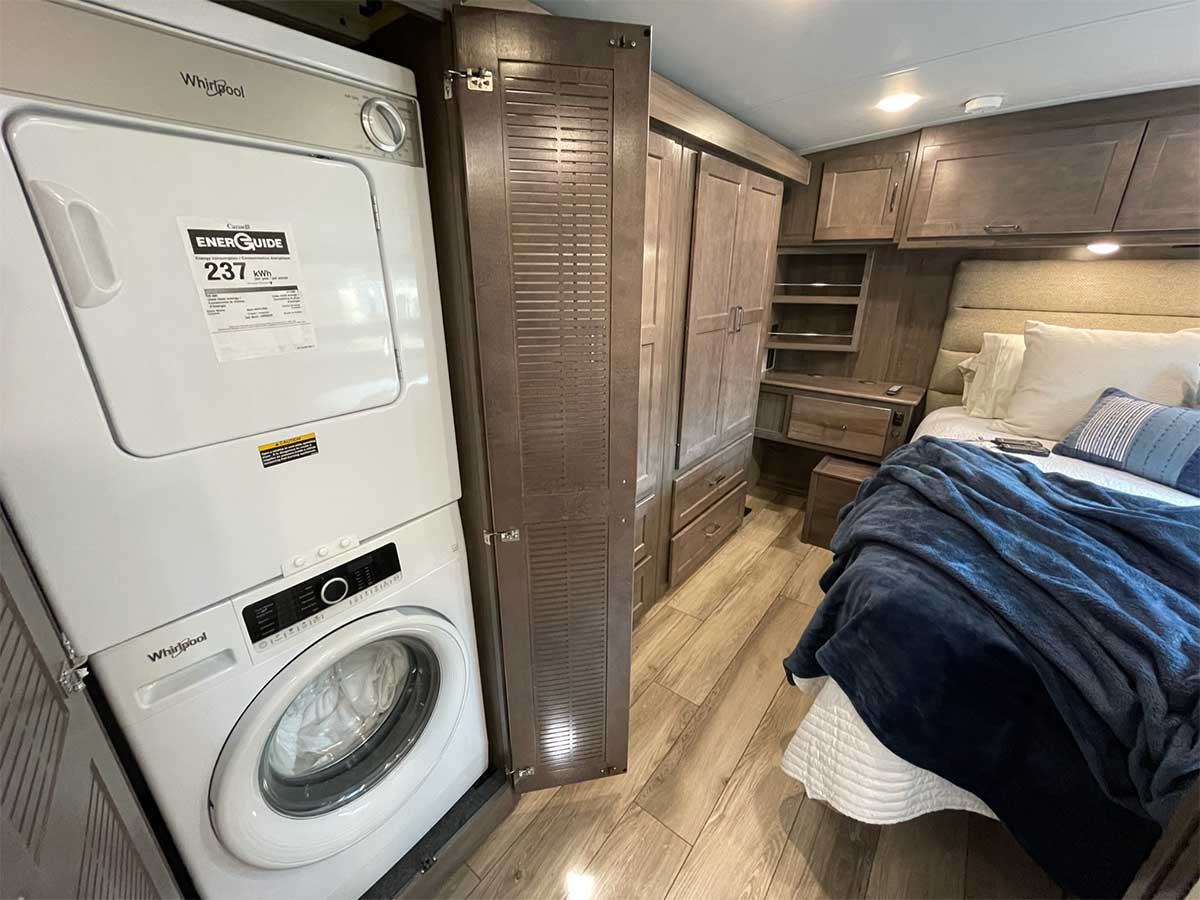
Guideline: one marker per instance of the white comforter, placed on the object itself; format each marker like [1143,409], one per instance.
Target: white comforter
[836,756]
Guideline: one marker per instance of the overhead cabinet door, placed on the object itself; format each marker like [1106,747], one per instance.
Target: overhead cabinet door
[555,163]
[1164,190]
[860,197]
[1054,182]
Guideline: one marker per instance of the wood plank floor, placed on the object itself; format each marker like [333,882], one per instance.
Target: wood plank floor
[704,810]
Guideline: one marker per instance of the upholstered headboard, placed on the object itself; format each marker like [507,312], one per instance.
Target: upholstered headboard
[996,295]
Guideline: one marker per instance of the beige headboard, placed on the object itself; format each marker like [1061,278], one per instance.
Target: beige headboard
[995,295]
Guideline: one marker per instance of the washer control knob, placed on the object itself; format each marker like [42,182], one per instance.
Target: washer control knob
[383,125]
[344,543]
[299,561]
[334,591]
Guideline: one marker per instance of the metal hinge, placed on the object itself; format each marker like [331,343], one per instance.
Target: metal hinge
[479,79]
[73,671]
[375,212]
[518,774]
[512,536]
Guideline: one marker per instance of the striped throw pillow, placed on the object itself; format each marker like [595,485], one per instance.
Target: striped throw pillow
[1159,443]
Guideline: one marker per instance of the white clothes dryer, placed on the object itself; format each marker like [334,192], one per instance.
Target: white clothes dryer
[301,738]
[222,358]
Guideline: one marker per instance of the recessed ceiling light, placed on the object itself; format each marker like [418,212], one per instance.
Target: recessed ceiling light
[1104,247]
[897,102]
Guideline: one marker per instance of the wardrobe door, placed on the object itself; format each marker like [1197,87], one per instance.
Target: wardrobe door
[658,283]
[719,188]
[749,295]
[555,166]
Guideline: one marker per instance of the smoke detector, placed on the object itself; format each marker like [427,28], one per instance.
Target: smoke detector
[983,104]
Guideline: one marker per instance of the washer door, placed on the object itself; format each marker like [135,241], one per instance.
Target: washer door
[339,740]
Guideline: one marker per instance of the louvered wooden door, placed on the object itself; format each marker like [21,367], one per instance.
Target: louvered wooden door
[69,823]
[555,164]
[749,292]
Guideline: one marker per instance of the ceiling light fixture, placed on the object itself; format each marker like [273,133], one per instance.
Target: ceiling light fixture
[1103,248]
[897,102]
[986,103]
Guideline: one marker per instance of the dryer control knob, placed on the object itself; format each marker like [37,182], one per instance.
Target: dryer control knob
[334,591]
[383,125]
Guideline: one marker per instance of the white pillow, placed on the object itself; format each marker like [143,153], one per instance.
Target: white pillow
[990,376]
[1065,369]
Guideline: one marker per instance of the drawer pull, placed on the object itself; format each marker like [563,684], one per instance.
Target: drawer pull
[712,529]
[843,428]
[1001,229]
[717,479]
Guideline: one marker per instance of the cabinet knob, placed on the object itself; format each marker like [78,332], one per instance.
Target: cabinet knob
[843,428]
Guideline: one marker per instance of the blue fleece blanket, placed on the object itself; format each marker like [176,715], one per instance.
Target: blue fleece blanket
[1032,638]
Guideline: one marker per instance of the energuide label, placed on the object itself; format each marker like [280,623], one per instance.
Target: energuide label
[288,449]
[248,276]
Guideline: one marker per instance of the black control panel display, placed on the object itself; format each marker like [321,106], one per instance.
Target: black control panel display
[279,611]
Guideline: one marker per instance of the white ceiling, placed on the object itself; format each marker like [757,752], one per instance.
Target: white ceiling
[809,72]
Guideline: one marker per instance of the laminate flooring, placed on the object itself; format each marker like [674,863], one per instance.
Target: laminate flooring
[704,810]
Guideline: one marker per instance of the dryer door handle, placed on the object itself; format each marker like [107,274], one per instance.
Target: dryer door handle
[79,239]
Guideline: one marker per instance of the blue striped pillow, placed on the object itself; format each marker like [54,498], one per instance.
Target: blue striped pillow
[1160,443]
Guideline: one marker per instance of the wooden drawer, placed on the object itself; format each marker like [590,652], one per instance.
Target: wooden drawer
[696,489]
[834,484]
[854,427]
[696,543]
[644,520]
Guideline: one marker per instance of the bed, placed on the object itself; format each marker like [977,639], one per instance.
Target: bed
[833,752]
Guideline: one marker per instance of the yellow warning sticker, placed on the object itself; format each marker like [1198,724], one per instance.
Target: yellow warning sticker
[288,449]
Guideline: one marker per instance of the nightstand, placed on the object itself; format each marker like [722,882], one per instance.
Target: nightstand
[846,416]
[833,484]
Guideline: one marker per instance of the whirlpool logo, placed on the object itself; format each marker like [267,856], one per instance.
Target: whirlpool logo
[213,87]
[175,649]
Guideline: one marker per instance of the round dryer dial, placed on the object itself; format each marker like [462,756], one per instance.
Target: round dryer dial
[334,591]
[383,125]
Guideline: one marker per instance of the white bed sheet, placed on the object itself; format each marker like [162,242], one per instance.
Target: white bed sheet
[833,752]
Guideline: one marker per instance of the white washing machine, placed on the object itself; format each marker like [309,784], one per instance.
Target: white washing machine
[221,349]
[301,738]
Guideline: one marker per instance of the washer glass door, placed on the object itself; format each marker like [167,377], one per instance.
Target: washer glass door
[340,739]
[349,726]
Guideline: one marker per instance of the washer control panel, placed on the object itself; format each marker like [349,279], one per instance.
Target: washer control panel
[281,615]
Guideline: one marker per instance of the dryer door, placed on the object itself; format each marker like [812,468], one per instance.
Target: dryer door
[218,290]
[340,739]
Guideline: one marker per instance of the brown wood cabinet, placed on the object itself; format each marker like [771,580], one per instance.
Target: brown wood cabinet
[1164,190]
[847,416]
[1057,181]
[860,197]
[733,237]
[834,483]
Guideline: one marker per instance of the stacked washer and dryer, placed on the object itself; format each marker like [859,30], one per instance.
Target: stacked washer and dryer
[225,431]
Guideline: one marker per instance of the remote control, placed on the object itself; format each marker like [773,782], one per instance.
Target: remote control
[894,390]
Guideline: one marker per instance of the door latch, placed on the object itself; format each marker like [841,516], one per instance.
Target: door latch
[479,79]
[518,774]
[512,536]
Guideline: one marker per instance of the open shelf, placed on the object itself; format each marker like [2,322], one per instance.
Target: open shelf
[818,300]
